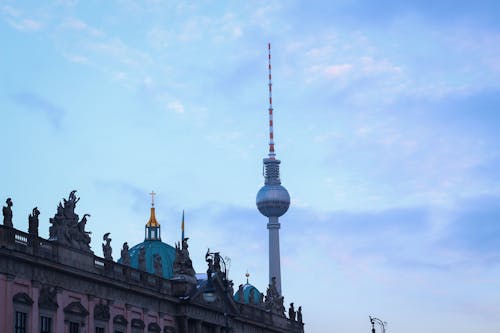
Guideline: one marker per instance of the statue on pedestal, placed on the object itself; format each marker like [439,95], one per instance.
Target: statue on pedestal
[106,247]
[125,255]
[7,213]
[33,222]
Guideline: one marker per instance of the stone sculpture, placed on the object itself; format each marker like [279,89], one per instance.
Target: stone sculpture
[158,267]
[106,247]
[291,312]
[33,222]
[142,259]
[125,255]
[299,315]
[240,294]
[182,263]
[66,229]
[274,301]
[7,213]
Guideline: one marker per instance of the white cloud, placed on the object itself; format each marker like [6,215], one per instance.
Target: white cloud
[79,25]
[24,24]
[176,106]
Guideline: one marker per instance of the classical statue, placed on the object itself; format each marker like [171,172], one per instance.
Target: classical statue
[251,296]
[125,255]
[274,301]
[70,204]
[240,294]
[299,315]
[106,247]
[291,312]
[142,259]
[182,263]
[33,222]
[158,267]
[65,227]
[7,213]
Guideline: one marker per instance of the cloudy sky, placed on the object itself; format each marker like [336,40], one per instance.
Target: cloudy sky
[386,114]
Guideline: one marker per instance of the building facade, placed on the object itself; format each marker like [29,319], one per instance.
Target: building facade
[58,285]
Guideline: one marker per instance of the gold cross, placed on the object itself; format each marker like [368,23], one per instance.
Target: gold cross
[152,197]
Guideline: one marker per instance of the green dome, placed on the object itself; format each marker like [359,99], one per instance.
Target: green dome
[153,247]
[246,294]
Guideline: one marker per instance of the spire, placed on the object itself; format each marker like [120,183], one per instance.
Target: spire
[272,154]
[182,226]
[247,275]
[152,229]
[152,218]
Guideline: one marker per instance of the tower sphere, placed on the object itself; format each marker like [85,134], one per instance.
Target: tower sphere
[273,200]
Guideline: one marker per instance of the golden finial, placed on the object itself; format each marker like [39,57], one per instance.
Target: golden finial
[247,275]
[152,219]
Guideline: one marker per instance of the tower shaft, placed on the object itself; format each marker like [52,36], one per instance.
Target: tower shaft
[274,252]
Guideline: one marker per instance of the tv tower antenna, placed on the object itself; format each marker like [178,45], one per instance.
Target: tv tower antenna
[272,154]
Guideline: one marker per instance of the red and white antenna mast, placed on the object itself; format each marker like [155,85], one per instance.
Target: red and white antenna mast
[272,154]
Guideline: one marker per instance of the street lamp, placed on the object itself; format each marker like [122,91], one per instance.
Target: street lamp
[214,260]
[374,320]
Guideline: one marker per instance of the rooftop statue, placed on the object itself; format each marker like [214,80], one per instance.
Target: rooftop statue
[106,247]
[7,213]
[142,259]
[33,222]
[125,255]
[182,263]
[274,301]
[291,312]
[66,228]
[299,315]
[158,267]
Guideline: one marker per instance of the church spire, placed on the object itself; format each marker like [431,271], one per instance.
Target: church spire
[152,230]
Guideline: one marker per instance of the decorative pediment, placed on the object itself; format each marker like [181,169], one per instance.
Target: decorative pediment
[77,309]
[101,312]
[154,327]
[221,296]
[48,298]
[22,298]
[137,323]
[120,320]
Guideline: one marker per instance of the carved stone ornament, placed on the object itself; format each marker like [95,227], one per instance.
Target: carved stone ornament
[48,298]
[137,323]
[154,327]
[101,312]
[120,320]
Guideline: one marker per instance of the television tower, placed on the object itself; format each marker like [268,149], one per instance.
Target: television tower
[273,199]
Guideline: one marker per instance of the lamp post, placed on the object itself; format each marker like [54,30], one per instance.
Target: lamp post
[214,260]
[374,320]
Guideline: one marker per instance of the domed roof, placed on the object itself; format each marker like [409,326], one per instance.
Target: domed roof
[247,288]
[152,247]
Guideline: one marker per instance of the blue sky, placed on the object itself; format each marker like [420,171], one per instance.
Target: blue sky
[386,119]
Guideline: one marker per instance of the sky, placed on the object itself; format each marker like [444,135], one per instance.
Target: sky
[386,123]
